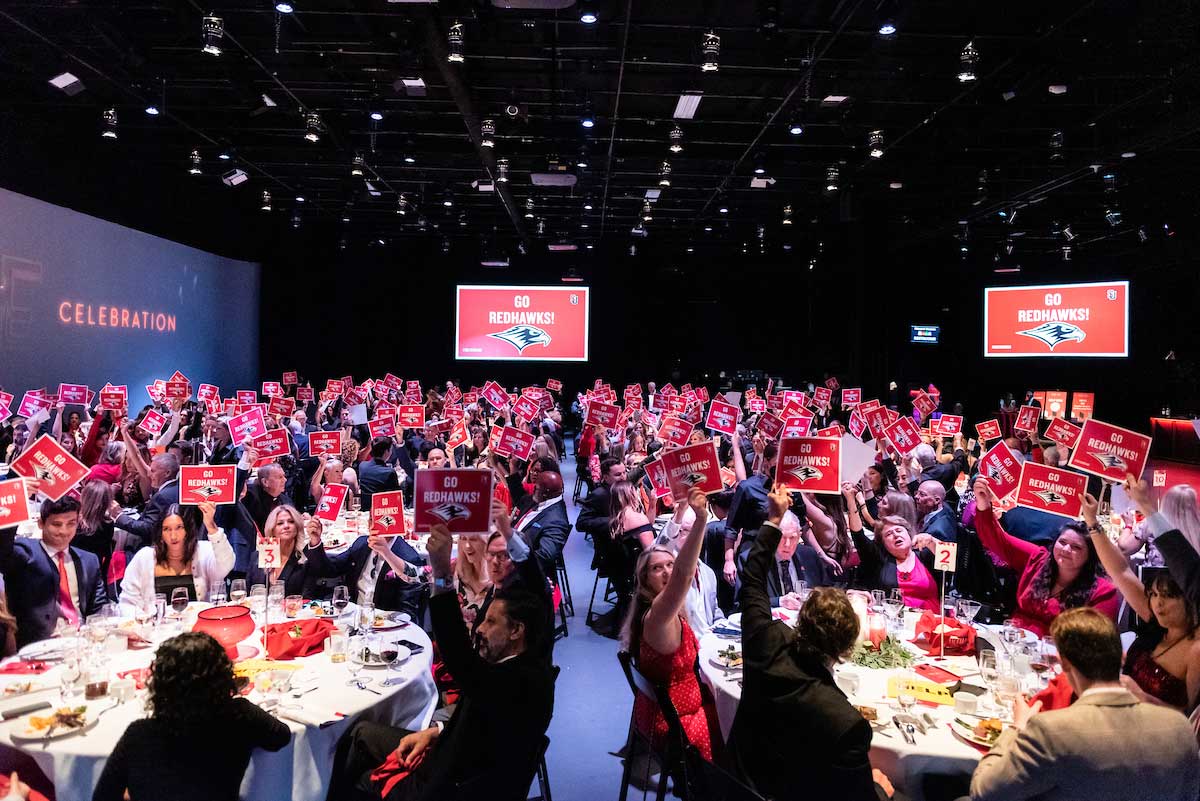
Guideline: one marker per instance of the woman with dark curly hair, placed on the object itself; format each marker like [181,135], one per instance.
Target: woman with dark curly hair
[196,744]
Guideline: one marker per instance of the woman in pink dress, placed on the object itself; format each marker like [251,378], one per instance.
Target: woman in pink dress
[899,558]
[663,645]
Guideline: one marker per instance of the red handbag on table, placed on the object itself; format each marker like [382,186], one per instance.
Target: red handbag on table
[930,632]
[297,638]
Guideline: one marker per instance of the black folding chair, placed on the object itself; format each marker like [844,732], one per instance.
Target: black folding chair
[564,585]
[668,757]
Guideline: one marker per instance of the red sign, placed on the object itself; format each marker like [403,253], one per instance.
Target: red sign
[811,464]
[271,446]
[1001,467]
[325,442]
[722,417]
[822,396]
[208,391]
[305,394]
[1062,432]
[152,422]
[459,499]
[281,405]
[246,397]
[1027,419]
[177,390]
[208,482]
[851,397]
[904,435]
[72,393]
[270,388]
[1051,489]
[1057,320]
[515,442]
[693,466]
[291,378]
[526,408]
[332,501]
[856,424]
[14,505]
[387,513]
[250,423]
[949,425]
[382,427]
[756,405]
[554,384]
[1109,451]
[602,414]
[58,470]
[6,398]
[1055,404]
[657,473]
[988,429]
[877,420]
[770,426]
[834,430]
[494,394]
[867,405]
[112,401]
[674,430]
[334,386]
[1083,405]
[31,404]
[796,426]
[515,323]
[459,435]
[924,404]
[410,415]
[831,382]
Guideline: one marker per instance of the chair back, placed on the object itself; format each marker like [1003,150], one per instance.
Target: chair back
[658,694]
[708,782]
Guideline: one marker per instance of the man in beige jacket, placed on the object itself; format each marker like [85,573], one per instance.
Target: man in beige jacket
[1106,746]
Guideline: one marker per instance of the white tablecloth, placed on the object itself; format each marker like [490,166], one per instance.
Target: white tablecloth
[300,771]
[937,751]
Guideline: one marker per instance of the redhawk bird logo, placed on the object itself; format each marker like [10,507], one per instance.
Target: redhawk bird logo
[206,492]
[1109,460]
[806,472]
[42,474]
[5,511]
[1055,333]
[522,336]
[271,447]
[692,479]
[450,511]
[1051,498]
[386,520]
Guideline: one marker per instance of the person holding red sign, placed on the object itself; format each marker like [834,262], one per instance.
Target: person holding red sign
[898,558]
[1051,580]
[178,558]
[376,475]
[658,635]
[298,573]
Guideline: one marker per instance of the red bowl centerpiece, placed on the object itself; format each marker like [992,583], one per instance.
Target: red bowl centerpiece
[228,625]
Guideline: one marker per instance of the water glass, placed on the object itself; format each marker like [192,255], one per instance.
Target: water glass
[877,600]
[336,646]
[275,597]
[366,616]
[237,591]
[355,657]
[160,607]
[292,605]
[217,596]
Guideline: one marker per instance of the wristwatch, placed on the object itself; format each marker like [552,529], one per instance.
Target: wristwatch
[1096,527]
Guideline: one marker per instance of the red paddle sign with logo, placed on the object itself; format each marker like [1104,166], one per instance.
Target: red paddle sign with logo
[796,426]
[822,396]
[281,406]
[494,394]
[988,429]
[14,506]
[251,423]
[770,426]
[208,482]
[722,417]
[387,513]
[949,425]
[382,427]
[515,442]
[332,501]
[693,466]
[857,425]
[811,464]
[877,420]
[674,430]
[1109,451]
[602,414]
[72,393]
[322,443]
[1062,432]
[410,415]
[271,446]
[924,404]
[1001,467]
[1027,419]
[1051,489]
[459,499]
[904,435]
[656,473]
[526,408]
[152,422]
[851,396]
[756,405]
[58,470]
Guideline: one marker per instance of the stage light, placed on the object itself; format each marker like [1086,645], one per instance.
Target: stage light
[235,177]
[587,15]
[541,228]
[265,205]
[787,215]
[664,174]
[296,218]
[896,185]
[529,206]
[582,160]
[708,229]
[723,209]
[448,199]
[225,155]
[647,211]
[1056,145]
[212,28]
[356,165]
[462,220]
[796,126]
[832,175]
[676,139]
[67,83]
[587,119]
[377,116]
[1112,215]
[312,126]
[445,246]
[875,144]
[501,171]
[194,163]
[300,198]
[1057,88]
[968,59]
[109,131]
[1129,154]
[760,163]
[409,158]
[285,8]
[572,276]
[487,133]
[587,203]
[455,41]
[152,110]
[887,28]
[403,206]
[710,48]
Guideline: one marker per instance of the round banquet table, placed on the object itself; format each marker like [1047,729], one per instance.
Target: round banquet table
[301,770]
[937,751]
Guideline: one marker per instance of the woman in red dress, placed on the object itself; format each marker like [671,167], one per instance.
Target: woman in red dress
[657,634]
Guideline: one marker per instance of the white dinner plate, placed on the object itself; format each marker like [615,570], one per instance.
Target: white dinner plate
[53,648]
[24,732]
[968,733]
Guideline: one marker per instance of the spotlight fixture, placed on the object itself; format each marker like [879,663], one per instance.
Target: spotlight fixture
[760,164]
[265,205]
[455,40]
[647,211]
[1066,252]
[896,185]
[1068,234]
[582,160]
[448,198]
[225,155]
[501,171]
[376,116]
[710,49]
[409,158]
[356,165]
[832,174]
[723,209]
[796,126]
[402,205]
[587,203]
[529,206]
[967,61]
[1056,146]
[445,246]
[109,131]
[787,215]
[633,249]
[194,163]
[587,119]
[887,28]
[312,126]
[664,174]
[487,133]
[213,29]
[875,144]
[1110,182]
[152,110]
[300,198]
[1141,234]
[296,218]
[462,220]
[69,84]
[285,8]
[587,15]
[541,228]
[1112,215]
[676,139]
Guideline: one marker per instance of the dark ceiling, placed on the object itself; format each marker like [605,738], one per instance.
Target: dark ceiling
[952,151]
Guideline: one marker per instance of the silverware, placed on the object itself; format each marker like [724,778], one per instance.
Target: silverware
[298,692]
[910,731]
[905,732]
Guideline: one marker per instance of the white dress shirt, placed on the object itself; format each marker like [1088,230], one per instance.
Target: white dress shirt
[529,516]
[72,579]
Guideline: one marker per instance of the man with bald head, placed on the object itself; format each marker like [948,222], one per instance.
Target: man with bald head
[937,518]
[545,524]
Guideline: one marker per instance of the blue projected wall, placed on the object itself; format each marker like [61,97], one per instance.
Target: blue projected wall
[88,301]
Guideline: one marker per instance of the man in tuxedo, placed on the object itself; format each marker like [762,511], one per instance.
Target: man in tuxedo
[264,493]
[936,516]
[491,744]
[1107,746]
[47,579]
[789,695]
[543,522]
[375,474]
[792,564]
[164,480]
[593,517]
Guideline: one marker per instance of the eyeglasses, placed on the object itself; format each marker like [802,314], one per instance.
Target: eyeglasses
[501,556]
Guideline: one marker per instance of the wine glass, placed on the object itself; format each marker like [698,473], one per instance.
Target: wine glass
[968,609]
[237,591]
[905,697]
[341,599]
[356,656]
[179,600]
[70,684]
[160,607]
[217,596]
[390,652]
[1007,689]
[892,607]
[989,671]
[877,600]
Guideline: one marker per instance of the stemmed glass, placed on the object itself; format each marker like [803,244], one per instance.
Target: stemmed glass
[356,654]
[179,600]
[877,600]
[237,591]
[341,599]
[892,607]
[967,609]
[989,671]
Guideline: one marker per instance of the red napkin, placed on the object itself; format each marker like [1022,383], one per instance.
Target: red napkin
[139,675]
[390,772]
[960,640]
[1057,695]
[23,667]
[297,638]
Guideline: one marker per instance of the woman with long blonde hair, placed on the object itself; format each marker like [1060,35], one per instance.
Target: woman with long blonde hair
[298,574]
[471,578]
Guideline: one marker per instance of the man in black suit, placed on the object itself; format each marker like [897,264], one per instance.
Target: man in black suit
[47,579]
[792,564]
[491,744]
[264,493]
[933,470]
[164,480]
[375,474]
[789,695]
[934,515]
[544,523]
[366,574]
[593,516]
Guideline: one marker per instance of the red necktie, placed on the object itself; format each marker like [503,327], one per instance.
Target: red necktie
[64,592]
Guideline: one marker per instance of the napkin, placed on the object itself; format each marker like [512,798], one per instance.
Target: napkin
[390,773]
[932,628]
[22,666]
[308,717]
[1057,695]
[139,676]
[297,638]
